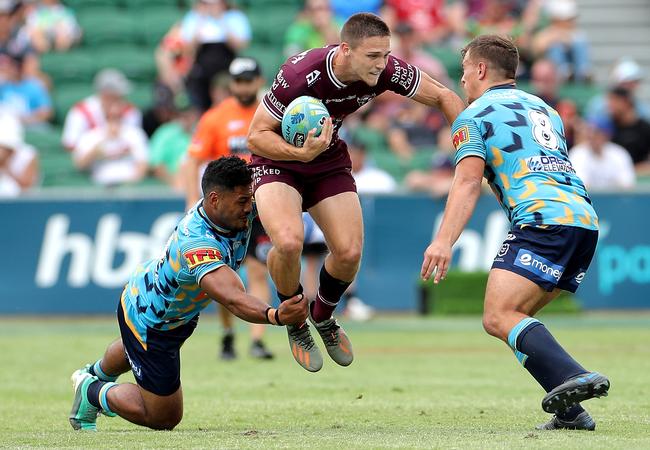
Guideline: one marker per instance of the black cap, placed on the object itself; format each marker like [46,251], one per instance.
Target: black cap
[244,68]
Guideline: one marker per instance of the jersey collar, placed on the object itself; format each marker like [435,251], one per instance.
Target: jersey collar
[502,86]
[329,63]
[212,225]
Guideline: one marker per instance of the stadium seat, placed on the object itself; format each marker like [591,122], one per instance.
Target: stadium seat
[137,63]
[103,26]
[270,58]
[580,93]
[142,95]
[137,4]
[78,65]
[154,22]
[80,5]
[450,58]
[57,169]
[46,141]
[66,95]
[269,24]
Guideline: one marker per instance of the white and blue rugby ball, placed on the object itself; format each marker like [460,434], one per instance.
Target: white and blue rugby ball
[303,114]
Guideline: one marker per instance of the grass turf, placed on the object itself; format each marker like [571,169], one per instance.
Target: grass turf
[415,383]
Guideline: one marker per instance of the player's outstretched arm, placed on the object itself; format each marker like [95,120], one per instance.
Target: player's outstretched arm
[225,286]
[265,139]
[433,93]
[463,195]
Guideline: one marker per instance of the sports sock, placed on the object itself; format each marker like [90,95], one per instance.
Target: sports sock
[97,391]
[544,358]
[283,297]
[96,370]
[329,294]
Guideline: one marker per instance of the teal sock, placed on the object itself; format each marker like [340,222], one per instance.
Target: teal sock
[96,369]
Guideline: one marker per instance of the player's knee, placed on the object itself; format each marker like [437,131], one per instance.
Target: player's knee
[491,324]
[288,244]
[168,421]
[349,256]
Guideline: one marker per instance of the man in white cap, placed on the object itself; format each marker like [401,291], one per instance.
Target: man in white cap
[111,88]
[626,74]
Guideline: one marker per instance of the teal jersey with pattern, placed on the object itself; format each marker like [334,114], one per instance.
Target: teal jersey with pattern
[165,293]
[527,165]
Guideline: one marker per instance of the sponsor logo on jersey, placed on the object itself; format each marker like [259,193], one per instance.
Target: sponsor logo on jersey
[198,256]
[460,137]
[539,265]
[549,164]
[365,99]
[402,75]
[312,77]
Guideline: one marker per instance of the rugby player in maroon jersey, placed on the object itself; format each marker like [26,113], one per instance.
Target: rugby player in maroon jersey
[317,177]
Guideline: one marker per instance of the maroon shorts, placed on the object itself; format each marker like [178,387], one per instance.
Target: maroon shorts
[328,175]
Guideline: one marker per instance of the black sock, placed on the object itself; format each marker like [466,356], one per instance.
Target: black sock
[93,393]
[283,297]
[545,359]
[329,294]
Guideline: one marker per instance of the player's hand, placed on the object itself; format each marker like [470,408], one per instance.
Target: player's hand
[314,146]
[436,261]
[293,311]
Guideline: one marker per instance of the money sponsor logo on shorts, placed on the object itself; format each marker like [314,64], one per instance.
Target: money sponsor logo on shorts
[198,256]
[539,265]
[460,137]
[137,370]
[549,164]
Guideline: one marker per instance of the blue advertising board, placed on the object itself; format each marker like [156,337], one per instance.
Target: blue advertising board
[67,256]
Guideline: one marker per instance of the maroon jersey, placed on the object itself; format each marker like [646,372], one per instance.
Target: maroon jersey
[311,73]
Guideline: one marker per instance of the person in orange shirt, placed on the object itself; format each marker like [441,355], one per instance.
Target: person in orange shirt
[222,131]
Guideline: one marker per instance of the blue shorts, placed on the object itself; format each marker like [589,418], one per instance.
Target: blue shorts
[551,256]
[156,368]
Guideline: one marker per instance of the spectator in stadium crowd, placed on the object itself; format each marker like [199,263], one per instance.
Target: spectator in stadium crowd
[314,27]
[546,85]
[562,42]
[169,142]
[18,161]
[173,60]
[627,74]
[24,95]
[51,26]
[222,131]
[427,17]
[115,153]
[215,32]
[14,38]
[437,180]
[161,111]
[630,131]
[368,178]
[111,88]
[412,129]
[600,163]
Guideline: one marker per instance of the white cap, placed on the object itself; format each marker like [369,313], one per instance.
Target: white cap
[562,9]
[626,70]
[113,81]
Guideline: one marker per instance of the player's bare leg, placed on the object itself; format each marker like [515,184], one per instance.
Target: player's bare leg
[280,210]
[139,406]
[510,302]
[340,219]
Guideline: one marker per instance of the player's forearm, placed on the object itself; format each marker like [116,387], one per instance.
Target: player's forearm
[463,195]
[270,144]
[246,307]
[450,104]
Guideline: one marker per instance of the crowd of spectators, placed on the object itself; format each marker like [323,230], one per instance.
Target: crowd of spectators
[395,144]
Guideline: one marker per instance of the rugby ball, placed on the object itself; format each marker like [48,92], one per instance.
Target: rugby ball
[303,114]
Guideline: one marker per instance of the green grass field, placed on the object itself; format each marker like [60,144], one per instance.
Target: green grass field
[416,383]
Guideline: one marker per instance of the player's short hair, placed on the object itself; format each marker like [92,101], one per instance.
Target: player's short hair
[361,26]
[226,173]
[500,53]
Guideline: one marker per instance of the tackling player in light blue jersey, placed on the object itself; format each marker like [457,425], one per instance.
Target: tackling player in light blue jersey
[160,306]
[517,142]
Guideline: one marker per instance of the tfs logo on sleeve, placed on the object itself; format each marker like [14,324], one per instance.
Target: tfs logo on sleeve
[538,265]
[198,256]
[461,136]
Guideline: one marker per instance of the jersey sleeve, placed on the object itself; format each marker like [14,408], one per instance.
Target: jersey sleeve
[467,139]
[202,256]
[286,87]
[400,77]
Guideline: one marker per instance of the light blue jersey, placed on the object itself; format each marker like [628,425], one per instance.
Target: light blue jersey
[165,293]
[522,141]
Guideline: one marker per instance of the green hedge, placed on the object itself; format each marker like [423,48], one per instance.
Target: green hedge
[463,292]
